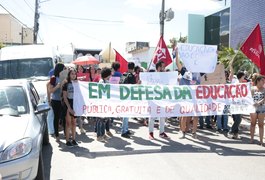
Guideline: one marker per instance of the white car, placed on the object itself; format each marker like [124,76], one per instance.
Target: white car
[23,130]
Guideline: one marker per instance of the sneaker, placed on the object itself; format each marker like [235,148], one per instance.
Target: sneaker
[200,127]
[125,135]
[219,131]
[82,131]
[101,139]
[109,134]
[183,135]
[151,136]
[57,139]
[129,132]
[105,137]
[163,135]
[194,135]
[74,143]
[235,136]
[69,144]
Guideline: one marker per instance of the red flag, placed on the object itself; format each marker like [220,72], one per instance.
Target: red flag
[253,49]
[122,61]
[162,53]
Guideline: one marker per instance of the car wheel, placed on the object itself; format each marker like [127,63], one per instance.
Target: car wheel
[46,136]
[40,175]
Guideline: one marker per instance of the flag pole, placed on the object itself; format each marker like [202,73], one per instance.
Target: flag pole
[232,61]
[149,65]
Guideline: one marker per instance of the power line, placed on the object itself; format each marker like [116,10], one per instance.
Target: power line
[15,17]
[84,34]
[29,5]
[87,19]
[21,9]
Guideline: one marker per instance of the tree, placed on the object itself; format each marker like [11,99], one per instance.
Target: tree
[1,45]
[173,41]
[240,63]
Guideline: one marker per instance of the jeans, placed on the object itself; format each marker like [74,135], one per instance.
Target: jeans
[107,124]
[50,119]
[100,127]
[124,127]
[237,120]
[151,124]
[222,122]
[57,109]
[207,121]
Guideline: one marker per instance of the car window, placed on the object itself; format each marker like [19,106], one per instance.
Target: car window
[25,68]
[13,100]
[34,92]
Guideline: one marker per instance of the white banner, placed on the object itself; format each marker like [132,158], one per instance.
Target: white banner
[123,100]
[197,57]
[162,78]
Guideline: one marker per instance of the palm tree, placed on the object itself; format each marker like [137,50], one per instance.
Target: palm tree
[240,62]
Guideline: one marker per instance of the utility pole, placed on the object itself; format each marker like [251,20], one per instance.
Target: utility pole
[36,22]
[167,15]
[162,18]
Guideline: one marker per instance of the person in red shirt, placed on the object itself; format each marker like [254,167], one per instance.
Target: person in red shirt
[81,73]
[97,75]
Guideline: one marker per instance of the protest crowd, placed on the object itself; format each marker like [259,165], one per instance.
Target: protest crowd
[86,93]
[62,116]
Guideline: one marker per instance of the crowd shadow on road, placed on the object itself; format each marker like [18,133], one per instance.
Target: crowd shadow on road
[207,142]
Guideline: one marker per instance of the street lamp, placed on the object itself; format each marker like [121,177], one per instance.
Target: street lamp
[167,15]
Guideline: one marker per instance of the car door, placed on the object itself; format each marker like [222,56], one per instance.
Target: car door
[35,99]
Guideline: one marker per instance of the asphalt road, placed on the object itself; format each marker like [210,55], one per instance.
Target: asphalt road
[211,156]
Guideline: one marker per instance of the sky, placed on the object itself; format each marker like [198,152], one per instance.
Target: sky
[94,24]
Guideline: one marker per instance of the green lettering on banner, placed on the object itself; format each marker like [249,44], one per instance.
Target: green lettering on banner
[92,88]
[124,92]
[157,90]
[137,92]
[166,93]
[103,89]
[134,92]
[186,92]
[148,91]
[177,92]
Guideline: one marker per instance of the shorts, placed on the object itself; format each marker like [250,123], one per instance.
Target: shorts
[71,103]
[260,109]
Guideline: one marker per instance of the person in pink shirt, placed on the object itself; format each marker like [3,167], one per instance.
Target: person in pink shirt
[97,75]
[81,73]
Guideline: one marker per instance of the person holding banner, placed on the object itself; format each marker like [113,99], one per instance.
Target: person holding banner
[129,78]
[103,123]
[258,94]
[81,76]
[237,118]
[160,67]
[68,94]
[187,78]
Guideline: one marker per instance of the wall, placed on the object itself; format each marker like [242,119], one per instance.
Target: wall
[245,14]
[11,31]
[196,29]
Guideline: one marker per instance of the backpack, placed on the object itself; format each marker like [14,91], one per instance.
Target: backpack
[124,78]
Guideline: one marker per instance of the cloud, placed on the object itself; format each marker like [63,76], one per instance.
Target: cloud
[143,4]
[194,5]
[179,5]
